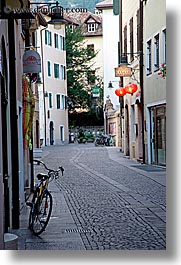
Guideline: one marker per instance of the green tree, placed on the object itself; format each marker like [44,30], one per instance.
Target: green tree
[79,64]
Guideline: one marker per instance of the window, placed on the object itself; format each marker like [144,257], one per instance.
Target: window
[156,53]
[148,57]
[58,101]
[90,48]
[62,102]
[48,37]
[56,70]
[131,39]
[138,31]
[62,133]
[50,100]
[125,40]
[62,72]
[164,45]
[72,27]
[91,27]
[49,68]
[133,125]
[56,40]
[91,78]
[62,43]
[64,77]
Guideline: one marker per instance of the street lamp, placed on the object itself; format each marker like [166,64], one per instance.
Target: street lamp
[57,17]
[55,11]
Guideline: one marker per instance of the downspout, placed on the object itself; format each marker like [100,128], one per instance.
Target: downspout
[141,75]
[121,82]
[43,77]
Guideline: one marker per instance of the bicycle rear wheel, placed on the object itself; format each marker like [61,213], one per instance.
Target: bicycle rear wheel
[40,213]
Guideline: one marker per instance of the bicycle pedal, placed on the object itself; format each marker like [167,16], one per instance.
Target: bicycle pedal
[29,204]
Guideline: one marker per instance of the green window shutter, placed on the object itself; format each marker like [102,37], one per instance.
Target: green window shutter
[58,101]
[50,100]
[56,71]
[56,40]
[64,77]
[116,7]
[63,102]
[61,42]
[49,68]
[50,38]
[46,36]
[64,44]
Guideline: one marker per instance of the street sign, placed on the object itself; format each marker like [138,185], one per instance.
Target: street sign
[123,71]
[95,92]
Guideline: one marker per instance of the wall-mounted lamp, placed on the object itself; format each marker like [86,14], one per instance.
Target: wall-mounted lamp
[131,65]
[57,17]
[55,12]
[110,85]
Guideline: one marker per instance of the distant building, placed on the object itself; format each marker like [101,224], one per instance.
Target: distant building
[92,31]
[110,24]
[53,90]
[110,61]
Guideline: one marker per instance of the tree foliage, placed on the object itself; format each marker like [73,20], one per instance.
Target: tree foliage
[79,63]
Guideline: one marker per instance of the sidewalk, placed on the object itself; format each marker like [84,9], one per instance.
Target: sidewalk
[56,236]
[62,233]
[154,172]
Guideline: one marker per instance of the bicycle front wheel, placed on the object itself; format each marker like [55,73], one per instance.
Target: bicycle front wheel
[41,213]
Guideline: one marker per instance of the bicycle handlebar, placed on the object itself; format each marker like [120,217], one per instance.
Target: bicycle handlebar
[50,170]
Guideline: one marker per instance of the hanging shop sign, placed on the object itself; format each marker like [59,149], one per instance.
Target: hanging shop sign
[122,71]
[95,92]
[31,62]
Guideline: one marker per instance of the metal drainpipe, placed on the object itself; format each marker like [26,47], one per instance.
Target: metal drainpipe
[43,77]
[141,75]
[121,82]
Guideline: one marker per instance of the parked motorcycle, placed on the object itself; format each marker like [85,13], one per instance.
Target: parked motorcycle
[102,140]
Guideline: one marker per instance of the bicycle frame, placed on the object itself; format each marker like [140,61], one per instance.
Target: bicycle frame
[42,187]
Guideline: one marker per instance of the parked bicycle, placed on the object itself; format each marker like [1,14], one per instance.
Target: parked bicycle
[41,204]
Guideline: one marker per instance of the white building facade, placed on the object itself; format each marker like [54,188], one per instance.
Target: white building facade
[110,26]
[154,84]
[53,90]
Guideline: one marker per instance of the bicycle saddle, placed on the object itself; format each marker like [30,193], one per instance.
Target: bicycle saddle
[42,176]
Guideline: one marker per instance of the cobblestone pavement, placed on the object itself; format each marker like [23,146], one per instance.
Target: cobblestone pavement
[108,202]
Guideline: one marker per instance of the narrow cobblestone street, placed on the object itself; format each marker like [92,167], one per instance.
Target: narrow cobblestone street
[103,201]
